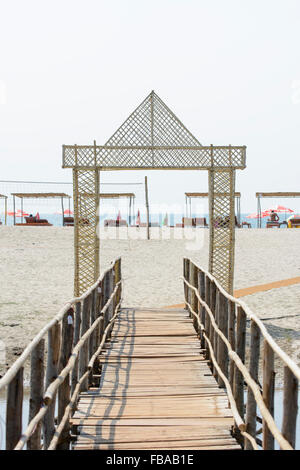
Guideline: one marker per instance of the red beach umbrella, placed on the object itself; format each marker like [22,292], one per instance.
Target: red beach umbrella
[280,209]
[119,216]
[68,212]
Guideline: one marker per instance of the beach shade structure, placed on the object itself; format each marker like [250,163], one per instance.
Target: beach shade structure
[277,195]
[23,196]
[153,138]
[129,196]
[2,196]
[190,196]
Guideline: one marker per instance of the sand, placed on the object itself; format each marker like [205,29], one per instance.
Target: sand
[36,272]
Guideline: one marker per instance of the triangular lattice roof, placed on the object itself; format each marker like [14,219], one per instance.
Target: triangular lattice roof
[152,123]
[152,137]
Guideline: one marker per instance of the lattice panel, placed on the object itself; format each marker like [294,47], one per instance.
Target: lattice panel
[222,226]
[86,200]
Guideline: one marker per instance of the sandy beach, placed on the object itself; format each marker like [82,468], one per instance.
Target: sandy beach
[36,272]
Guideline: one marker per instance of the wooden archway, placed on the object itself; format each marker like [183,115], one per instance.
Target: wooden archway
[153,138]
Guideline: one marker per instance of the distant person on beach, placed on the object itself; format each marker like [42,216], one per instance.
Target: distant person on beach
[273,217]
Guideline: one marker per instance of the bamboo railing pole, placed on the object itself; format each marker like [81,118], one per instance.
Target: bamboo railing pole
[268,392]
[216,336]
[117,279]
[54,341]
[222,353]
[14,407]
[231,338]
[290,406]
[36,392]
[203,291]
[194,300]
[64,391]
[84,353]
[238,386]
[110,310]
[186,275]
[93,337]
[76,336]
[213,299]
[251,409]
[106,297]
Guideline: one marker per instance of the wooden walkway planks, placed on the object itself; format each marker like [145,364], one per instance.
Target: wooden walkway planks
[156,390]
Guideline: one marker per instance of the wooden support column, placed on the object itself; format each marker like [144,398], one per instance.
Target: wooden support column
[222,226]
[86,220]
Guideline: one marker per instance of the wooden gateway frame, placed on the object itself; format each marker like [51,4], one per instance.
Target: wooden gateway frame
[153,138]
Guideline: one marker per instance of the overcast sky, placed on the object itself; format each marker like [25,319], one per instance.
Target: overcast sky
[72,71]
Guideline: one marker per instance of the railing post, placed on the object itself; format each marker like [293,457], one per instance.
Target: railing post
[84,353]
[202,312]
[14,407]
[54,341]
[194,300]
[186,275]
[290,406]
[76,336]
[268,392]
[64,389]
[36,392]
[93,337]
[110,310]
[213,300]
[231,338]
[207,298]
[216,336]
[253,369]
[222,352]
[238,389]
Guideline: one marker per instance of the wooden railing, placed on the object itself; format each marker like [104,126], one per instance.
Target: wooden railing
[234,355]
[76,337]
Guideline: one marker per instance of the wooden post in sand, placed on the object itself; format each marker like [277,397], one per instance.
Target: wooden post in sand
[268,392]
[14,410]
[54,341]
[253,369]
[290,406]
[36,392]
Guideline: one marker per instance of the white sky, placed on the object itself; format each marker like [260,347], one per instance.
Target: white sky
[72,71]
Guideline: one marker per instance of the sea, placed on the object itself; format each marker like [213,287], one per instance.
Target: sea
[172,219]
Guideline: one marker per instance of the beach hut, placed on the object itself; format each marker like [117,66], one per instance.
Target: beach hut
[129,196]
[260,196]
[2,196]
[33,221]
[190,196]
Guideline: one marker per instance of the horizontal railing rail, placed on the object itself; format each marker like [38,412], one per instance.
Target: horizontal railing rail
[70,364]
[221,322]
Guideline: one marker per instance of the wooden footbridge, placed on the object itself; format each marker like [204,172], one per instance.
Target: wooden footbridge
[126,378]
